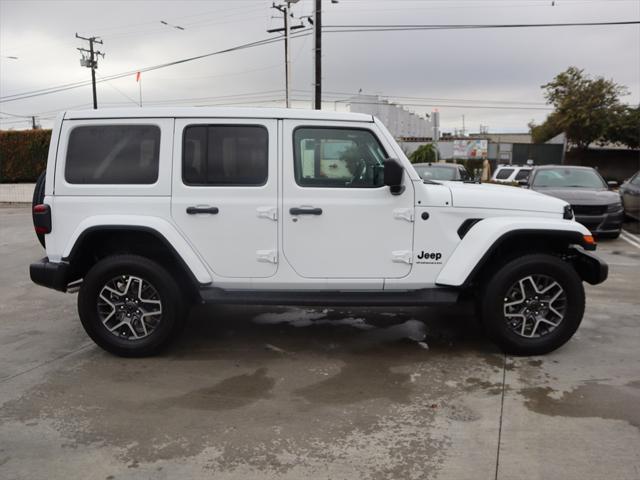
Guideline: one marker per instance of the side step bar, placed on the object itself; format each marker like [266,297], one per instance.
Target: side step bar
[423,297]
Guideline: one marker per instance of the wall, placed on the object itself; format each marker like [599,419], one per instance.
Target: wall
[616,165]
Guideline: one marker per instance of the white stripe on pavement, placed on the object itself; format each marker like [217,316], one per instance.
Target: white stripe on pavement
[629,240]
[635,237]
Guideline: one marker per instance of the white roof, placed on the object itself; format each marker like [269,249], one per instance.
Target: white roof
[217,112]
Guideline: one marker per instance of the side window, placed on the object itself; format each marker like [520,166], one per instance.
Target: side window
[522,175]
[113,154]
[504,173]
[225,155]
[337,158]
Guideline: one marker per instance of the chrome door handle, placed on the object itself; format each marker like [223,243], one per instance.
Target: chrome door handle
[196,210]
[305,211]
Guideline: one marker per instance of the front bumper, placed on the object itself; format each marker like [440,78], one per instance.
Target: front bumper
[602,224]
[591,268]
[49,274]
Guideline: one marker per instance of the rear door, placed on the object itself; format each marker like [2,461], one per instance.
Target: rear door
[225,189]
[339,220]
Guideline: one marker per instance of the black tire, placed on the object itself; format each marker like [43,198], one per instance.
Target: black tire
[38,198]
[168,291]
[492,306]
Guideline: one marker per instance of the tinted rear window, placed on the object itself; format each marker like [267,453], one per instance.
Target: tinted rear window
[504,173]
[522,174]
[225,155]
[113,154]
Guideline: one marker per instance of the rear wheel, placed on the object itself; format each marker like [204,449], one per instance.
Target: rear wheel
[533,304]
[131,306]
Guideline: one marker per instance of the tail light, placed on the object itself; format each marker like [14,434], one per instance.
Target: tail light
[42,218]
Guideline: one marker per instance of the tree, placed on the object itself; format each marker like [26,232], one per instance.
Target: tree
[584,107]
[625,128]
[424,154]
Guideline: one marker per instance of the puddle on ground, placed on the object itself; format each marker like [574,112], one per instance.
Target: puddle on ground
[588,400]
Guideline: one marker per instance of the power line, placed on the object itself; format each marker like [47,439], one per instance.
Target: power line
[404,28]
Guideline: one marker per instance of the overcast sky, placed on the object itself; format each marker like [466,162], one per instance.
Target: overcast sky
[451,70]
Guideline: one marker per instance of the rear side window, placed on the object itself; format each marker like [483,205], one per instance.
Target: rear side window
[113,154]
[504,173]
[522,174]
[225,155]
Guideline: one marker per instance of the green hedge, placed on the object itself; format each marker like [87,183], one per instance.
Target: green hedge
[23,155]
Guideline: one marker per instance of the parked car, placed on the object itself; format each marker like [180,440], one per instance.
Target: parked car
[511,174]
[593,203]
[148,211]
[630,195]
[442,171]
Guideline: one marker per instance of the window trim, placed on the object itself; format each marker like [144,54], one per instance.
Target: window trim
[182,155]
[98,185]
[330,127]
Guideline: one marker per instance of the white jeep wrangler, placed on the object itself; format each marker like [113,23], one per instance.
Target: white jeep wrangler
[147,211]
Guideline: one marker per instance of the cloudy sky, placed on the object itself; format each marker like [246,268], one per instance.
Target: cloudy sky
[456,71]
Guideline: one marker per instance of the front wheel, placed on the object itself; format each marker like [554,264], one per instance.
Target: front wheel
[130,306]
[533,304]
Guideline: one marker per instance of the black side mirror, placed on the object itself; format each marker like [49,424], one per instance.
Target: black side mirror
[393,172]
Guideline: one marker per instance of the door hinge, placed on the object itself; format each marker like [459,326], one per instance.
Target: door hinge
[402,256]
[267,256]
[268,212]
[403,214]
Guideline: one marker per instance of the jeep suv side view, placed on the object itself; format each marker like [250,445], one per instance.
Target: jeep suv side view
[147,211]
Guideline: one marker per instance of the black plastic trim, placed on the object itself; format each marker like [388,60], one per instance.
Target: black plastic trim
[591,268]
[50,275]
[209,210]
[129,228]
[305,211]
[466,226]
[426,296]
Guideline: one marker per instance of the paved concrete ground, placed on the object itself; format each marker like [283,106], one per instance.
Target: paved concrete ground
[313,393]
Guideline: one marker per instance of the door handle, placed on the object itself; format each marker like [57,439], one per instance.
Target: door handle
[195,210]
[305,211]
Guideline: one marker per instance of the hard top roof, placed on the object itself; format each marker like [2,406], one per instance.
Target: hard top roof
[216,112]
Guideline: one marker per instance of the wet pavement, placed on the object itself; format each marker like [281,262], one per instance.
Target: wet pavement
[263,392]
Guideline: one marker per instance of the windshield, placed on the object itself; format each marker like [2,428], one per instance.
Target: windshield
[568,178]
[434,172]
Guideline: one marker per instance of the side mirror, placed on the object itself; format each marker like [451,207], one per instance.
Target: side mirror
[523,182]
[393,172]
[612,184]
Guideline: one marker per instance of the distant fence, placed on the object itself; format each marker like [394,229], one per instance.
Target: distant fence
[612,164]
[23,155]
[540,153]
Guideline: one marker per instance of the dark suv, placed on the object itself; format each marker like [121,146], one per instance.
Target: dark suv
[593,203]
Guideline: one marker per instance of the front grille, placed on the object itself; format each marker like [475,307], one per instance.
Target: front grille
[589,209]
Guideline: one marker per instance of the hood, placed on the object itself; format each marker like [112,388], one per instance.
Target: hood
[486,195]
[583,196]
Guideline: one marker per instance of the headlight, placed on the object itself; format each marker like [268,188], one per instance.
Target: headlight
[614,207]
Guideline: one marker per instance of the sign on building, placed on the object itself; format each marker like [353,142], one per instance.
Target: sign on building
[470,148]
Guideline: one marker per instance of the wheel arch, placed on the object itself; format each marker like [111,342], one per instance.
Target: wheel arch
[98,241]
[485,248]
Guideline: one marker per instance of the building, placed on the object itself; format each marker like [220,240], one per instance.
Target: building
[401,122]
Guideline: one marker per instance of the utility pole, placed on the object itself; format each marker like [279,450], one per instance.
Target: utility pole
[285,9]
[91,62]
[34,125]
[318,53]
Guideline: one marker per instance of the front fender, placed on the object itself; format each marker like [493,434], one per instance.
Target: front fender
[485,237]
[161,227]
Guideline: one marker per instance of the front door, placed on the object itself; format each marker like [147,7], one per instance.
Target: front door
[224,197]
[339,220]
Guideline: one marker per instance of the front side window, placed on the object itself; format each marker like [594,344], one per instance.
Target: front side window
[504,173]
[113,154]
[225,155]
[338,158]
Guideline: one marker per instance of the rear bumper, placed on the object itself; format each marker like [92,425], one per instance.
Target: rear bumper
[49,274]
[591,268]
